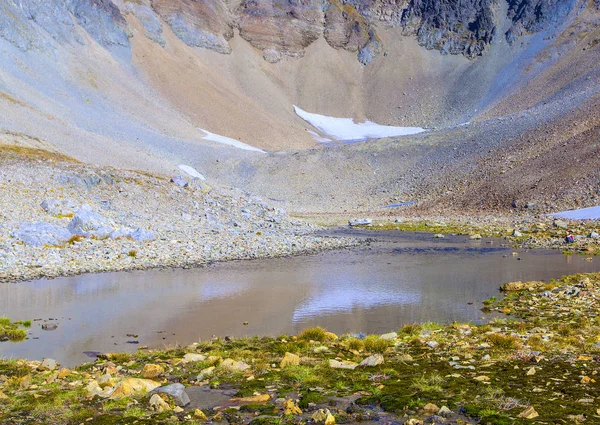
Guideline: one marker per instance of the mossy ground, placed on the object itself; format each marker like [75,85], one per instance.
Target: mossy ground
[540,233]
[13,331]
[545,354]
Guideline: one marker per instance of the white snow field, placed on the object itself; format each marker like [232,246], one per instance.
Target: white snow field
[190,171]
[345,129]
[592,213]
[227,141]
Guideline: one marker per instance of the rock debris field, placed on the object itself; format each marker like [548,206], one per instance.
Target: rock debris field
[65,218]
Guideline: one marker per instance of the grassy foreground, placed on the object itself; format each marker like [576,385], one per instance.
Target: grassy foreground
[538,365]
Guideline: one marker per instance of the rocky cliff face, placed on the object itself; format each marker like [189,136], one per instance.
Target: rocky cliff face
[281,27]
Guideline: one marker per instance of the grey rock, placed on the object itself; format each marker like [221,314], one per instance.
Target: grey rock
[371,361]
[389,336]
[194,36]
[49,326]
[438,236]
[180,181]
[40,234]
[142,235]
[444,412]
[517,234]
[360,222]
[176,391]
[48,364]
[560,224]
[56,207]
[89,223]
[594,235]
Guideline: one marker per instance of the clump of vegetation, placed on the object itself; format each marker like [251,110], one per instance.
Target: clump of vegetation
[132,253]
[13,331]
[313,334]
[375,344]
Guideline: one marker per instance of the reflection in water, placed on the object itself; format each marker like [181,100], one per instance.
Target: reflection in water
[376,288]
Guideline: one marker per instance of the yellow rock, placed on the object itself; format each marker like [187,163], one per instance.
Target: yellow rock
[482,378]
[531,372]
[529,413]
[63,373]
[133,387]
[261,398]
[585,358]
[289,360]
[344,364]
[323,416]
[431,408]
[290,408]
[3,396]
[152,371]
[199,414]
[232,365]
[587,380]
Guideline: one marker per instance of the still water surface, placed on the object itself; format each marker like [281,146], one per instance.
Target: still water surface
[399,279]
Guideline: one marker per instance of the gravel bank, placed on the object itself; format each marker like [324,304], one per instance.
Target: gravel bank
[183,226]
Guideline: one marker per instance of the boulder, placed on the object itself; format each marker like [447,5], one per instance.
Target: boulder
[371,361]
[59,207]
[232,365]
[142,235]
[560,224]
[158,404]
[133,387]
[176,391]
[41,234]
[151,371]
[360,222]
[289,359]
[343,364]
[323,417]
[389,336]
[193,357]
[89,223]
[179,181]
[47,364]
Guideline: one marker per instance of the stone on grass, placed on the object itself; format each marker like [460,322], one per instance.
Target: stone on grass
[200,415]
[444,412]
[323,417]
[193,357]
[158,404]
[205,373]
[389,336]
[438,236]
[233,365]
[431,408]
[343,364]
[89,223]
[176,391]
[290,359]
[47,364]
[133,387]
[476,237]
[290,408]
[371,361]
[529,413]
[41,234]
[151,371]
[360,222]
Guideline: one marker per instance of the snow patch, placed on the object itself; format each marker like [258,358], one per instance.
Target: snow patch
[345,129]
[318,138]
[227,141]
[592,213]
[191,171]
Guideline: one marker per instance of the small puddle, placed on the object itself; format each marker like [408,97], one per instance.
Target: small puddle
[399,278]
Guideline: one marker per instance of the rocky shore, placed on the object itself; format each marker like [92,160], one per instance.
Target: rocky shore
[61,218]
[537,364]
